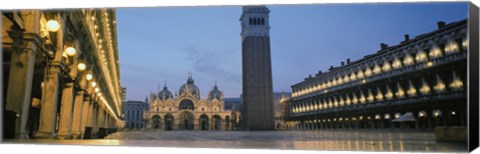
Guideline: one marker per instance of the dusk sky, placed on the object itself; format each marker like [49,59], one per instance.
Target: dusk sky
[166,43]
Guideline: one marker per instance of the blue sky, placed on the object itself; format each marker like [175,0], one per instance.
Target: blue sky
[166,43]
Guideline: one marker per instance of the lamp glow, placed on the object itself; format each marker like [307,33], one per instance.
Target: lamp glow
[97,90]
[94,84]
[70,51]
[53,25]
[81,66]
[89,76]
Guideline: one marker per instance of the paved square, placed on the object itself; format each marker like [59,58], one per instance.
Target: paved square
[348,140]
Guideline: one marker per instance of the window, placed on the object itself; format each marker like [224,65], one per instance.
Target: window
[186,105]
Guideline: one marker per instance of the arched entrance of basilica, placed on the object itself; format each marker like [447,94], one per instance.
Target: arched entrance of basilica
[156,121]
[168,122]
[203,122]
[217,121]
[186,120]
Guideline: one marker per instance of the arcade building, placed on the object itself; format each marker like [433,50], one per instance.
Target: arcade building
[187,111]
[60,74]
[418,84]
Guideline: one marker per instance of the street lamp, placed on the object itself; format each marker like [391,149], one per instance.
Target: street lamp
[97,90]
[53,25]
[421,114]
[94,84]
[70,51]
[81,66]
[89,76]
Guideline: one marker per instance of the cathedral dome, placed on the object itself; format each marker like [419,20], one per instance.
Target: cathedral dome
[190,87]
[215,93]
[165,93]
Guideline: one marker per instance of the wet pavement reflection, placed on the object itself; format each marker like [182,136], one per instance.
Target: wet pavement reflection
[348,140]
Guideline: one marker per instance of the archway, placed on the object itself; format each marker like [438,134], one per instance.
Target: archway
[203,122]
[422,121]
[437,116]
[169,121]
[156,121]
[186,120]
[217,121]
[186,104]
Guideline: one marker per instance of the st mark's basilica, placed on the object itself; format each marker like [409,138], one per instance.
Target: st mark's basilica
[188,111]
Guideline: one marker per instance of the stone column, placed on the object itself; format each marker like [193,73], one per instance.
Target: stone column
[101,118]
[85,114]
[105,121]
[50,90]
[20,79]
[77,114]
[48,112]
[66,110]
[99,121]
[110,122]
[91,108]
[94,118]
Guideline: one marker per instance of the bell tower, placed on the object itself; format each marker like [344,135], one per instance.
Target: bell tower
[258,111]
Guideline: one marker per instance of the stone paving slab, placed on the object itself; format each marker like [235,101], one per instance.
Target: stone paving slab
[343,140]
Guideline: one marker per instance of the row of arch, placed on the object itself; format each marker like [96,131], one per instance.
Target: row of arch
[419,119]
[421,56]
[411,88]
[187,121]
[256,21]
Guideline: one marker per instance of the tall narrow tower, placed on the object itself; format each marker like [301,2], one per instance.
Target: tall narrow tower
[258,112]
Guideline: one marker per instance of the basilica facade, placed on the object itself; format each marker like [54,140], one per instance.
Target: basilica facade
[188,111]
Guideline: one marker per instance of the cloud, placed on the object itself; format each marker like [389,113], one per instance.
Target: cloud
[210,63]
